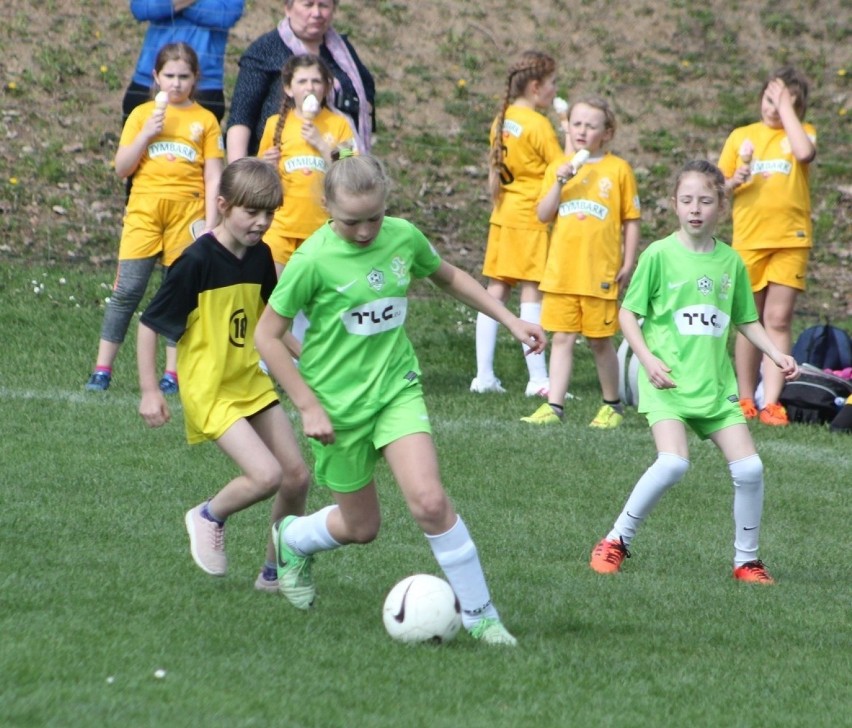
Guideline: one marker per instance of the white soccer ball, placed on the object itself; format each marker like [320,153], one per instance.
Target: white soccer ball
[422,608]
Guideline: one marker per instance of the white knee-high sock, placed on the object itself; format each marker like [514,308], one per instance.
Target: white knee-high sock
[747,475]
[309,534]
[536,363]
[665,471]
[486,342]
[457,556]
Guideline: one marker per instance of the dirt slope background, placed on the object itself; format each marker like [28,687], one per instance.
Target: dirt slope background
[680,74]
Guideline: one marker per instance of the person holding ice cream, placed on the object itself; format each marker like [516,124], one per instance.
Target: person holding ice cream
[300,141]
[174,151]
[766,166]
[592,197]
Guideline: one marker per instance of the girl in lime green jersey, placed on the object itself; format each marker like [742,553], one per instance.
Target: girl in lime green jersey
[690,289]
[358,385]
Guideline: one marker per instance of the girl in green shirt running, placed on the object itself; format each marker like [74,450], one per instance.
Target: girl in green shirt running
[358,385]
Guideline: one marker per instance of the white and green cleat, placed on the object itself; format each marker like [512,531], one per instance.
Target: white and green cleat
[492,632]
[295,581]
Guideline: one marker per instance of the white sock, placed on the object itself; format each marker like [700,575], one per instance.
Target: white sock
[456,555]
[747,475]
[486,341]
[665,471]
[309,534]
[300,326]
[536,363]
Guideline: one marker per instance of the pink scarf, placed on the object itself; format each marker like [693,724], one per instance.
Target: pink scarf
[336,46]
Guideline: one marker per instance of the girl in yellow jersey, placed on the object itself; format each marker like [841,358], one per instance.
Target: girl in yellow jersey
[523,143]
[300,142]
[766,166]
[593,247]
[173,148]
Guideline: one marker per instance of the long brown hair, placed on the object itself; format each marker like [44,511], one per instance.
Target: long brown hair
[531,66]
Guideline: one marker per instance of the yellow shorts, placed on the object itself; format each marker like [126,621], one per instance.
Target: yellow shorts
[282,245]
[350,462]
[513,255]
[785,266]
[595,318]
[155,226]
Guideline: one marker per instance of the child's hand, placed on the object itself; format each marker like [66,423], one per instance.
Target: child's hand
[658,374]
[154,409]
[778,93]
[272,156]
[312,136]
[316,425]
[153,125]
[788,366]
[529,334]
[742,175]
[623,276]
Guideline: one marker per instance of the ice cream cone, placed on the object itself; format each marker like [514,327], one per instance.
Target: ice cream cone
[579,159]
[560,106]
[310,107]
[161,100]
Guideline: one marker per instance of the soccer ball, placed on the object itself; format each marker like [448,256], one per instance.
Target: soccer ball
[422,608]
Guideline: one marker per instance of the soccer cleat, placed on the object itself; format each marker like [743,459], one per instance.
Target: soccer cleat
[168,384]
[99,381]
[607,418]
[483,387]
[492,632]
[753,572]
[262,584]
[775,415]
[749,408]
[537,388]
[544,415]
[607,556]
[206,542]
[295,581]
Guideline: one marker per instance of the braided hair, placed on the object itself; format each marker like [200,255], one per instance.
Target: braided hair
[531,66]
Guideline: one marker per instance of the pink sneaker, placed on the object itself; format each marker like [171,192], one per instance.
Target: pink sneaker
[206,542]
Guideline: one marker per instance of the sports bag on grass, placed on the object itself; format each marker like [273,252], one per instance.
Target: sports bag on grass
[813,397]
[824,346]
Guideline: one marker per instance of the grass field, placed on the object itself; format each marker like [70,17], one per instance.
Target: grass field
[97,588]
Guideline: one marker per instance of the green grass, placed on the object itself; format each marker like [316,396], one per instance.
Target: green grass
[97,581]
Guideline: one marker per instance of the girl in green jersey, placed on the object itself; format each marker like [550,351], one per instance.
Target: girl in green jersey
[358,385]
[690,288]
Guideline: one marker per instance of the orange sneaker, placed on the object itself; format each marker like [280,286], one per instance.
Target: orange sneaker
[749,408]
[608,555]
[774,414]
[753,572]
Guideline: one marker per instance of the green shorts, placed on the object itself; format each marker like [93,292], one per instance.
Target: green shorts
[702,426]
[348,464]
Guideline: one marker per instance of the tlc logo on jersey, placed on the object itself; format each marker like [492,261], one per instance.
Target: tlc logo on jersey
[376,317]
[701,320]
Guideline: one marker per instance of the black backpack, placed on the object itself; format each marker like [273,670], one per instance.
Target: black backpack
[825,347]
[813,397]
